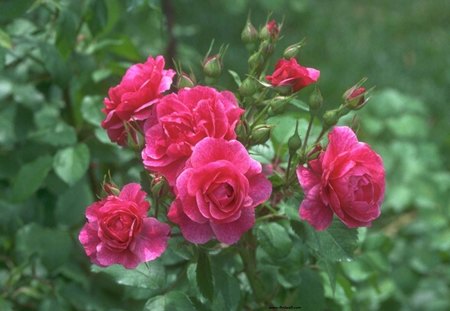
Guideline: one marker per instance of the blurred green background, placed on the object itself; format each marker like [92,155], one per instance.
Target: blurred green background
[58,59]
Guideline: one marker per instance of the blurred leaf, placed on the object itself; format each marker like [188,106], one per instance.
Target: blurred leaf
[227,293]
[204,276]
[55,64]
[169,302]
[151,275]
[30,178]
[5,40]
[310,292]
[337,243]
[236,77]
[71,204]
[71,163]
[68,22]
[52,245]
[274,239]
[91,107]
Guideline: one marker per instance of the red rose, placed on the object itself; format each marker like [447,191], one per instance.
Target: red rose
[132,99]
[118,230]
[218,191]
[291,74]
[347,179]
[273,29]
[181,121]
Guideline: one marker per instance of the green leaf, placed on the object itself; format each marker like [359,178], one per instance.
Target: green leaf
[91,107]
[310,294]
[274,239]
[55,64]
[169,302]
[337,243]
[5,40]
[228,293]
[151,275]
[71,163]
[204,276]
[52,245]
[236,77]
[72,203]
[30,178]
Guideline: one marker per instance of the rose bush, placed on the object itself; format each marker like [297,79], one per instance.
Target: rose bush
[218,191]
[182,120]
[347,179]
[132,99]
[289,73]
[118,230]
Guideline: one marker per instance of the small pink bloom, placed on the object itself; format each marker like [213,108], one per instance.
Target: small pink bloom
[118,230]
[273,29]
[355,97]
[347,179]
[132,99]
[184,119]
[218,191]
[290,73]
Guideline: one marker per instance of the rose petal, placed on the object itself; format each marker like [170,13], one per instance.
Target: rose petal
[151,241]
[230,233]
[314,211]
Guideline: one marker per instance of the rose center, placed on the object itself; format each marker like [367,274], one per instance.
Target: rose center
[119,227]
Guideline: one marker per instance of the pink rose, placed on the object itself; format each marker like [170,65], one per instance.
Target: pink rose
[132,99]
[290,73]
[273,29]
[118,230]
[347,179]
[218,191]
[184,119]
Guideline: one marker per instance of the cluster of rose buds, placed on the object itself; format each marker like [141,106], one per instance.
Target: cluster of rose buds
[195,141]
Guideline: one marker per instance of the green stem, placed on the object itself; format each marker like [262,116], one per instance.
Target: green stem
[248,255]
[308,131]
[322,132]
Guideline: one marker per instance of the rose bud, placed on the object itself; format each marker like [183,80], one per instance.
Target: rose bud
[270,31]
[355,98]
[212,66]
[260,134]
[185,80]
[248,87]
[249,33]
[256,60]
[331,117]
[294,142]
[315,100]
[292,50]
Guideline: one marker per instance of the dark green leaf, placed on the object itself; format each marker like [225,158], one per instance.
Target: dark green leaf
[274,239]
[337,243]
[30,178]
[72,203]
[5,40]
[310,292]
[204,276]
[91,110]
[55,64]
[52,245]
[169,302]
[151,275]
[71,163]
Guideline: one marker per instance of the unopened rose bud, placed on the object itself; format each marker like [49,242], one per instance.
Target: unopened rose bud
[249,33]
[212,66]
[355,98]
[315,100]
[157,186]
[111,189]
[256,60]
[331,117]
[185,80]
[260,134]
[292,50]
[248,87]
[278,103]
[294,142]
[270,31]
[242,130]
[266,48]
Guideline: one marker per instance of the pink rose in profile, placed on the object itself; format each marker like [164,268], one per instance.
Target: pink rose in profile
[132,99]
[292,74]
[218,191]
[184,119]
[118,230]
[347,179]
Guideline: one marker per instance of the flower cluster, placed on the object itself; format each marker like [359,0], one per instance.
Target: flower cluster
[197,140]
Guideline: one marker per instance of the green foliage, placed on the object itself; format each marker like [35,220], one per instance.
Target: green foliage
[57,61]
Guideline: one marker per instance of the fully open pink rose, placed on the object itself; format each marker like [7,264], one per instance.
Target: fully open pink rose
[132,99]
[347,179]
[184,119]
[218,191]
[291,74]
[118,230]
